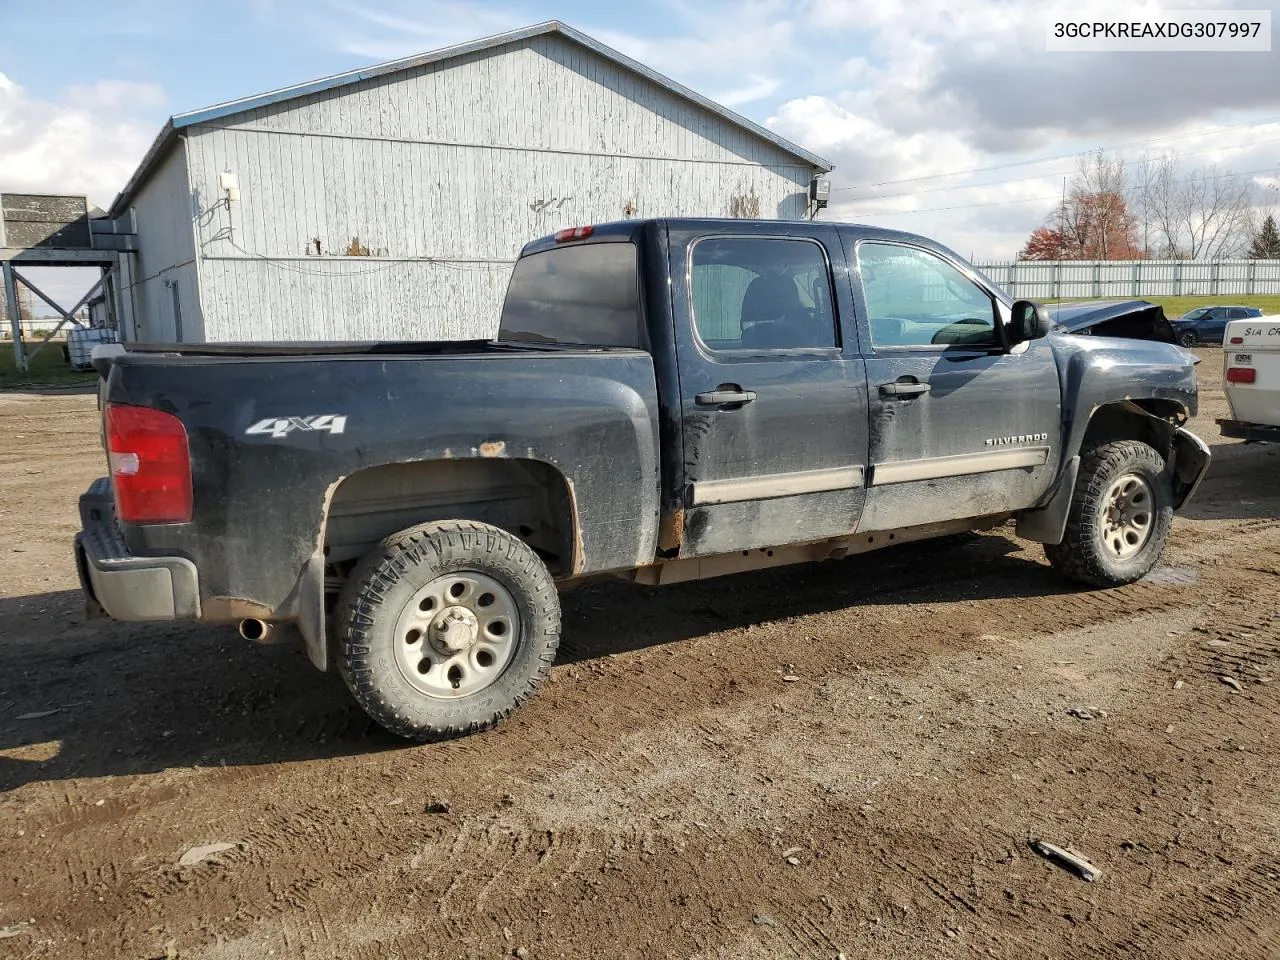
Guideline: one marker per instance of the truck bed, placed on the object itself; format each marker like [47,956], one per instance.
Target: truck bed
[105,354]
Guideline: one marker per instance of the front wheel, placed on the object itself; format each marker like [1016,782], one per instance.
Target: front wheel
[1188,338]
[445,628]
[1120,517]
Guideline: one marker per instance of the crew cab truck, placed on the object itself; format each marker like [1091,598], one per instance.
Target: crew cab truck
[665,400]
[1251,379]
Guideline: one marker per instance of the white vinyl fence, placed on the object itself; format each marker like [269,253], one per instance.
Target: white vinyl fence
[1124,279]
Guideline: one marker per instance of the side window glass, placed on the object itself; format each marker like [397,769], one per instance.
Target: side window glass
[917,299]
[1238,313]
[762,294]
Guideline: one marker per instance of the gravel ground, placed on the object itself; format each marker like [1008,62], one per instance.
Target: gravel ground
[670,794]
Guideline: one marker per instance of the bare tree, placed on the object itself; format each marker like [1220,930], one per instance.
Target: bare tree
[1205,214]
[1094,222]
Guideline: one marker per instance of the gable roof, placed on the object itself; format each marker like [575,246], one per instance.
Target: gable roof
[160,146]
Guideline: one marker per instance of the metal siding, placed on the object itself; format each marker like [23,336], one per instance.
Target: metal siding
[166,252]
[396,165]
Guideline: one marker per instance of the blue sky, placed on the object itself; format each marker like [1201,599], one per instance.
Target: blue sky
[943,117]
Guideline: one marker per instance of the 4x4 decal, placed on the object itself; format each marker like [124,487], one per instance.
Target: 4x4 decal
[280,427]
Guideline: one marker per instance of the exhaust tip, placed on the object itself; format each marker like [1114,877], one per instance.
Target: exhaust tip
[255,630]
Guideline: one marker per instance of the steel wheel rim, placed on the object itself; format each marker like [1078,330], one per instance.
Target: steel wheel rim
[457,635]
[1128,515]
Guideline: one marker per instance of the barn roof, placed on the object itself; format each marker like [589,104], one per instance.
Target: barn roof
[169,134]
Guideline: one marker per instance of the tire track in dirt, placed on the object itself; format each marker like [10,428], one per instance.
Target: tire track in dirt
[278,836]
[926,738]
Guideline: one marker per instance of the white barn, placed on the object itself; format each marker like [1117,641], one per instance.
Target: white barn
[390,202]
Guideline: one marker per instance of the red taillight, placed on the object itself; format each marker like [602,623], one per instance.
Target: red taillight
[1237,340]
[574,233]
[1242,375]
[150,465]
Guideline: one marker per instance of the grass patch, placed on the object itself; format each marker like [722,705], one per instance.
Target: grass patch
[48,369]
[1176,306]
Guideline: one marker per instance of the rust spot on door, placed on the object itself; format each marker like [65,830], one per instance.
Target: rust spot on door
[671,532]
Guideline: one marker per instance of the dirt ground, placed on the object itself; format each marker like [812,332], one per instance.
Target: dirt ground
[673,793]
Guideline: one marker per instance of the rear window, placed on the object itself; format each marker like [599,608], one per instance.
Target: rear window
[584,294]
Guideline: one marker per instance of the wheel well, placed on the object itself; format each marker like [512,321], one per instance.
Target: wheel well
[1151,421]
[529,499]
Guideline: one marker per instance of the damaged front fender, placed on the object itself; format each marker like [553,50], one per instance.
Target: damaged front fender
[1189,464]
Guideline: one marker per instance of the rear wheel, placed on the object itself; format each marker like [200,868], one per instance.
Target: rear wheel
[1188,338]
[445,628]
[1120,517]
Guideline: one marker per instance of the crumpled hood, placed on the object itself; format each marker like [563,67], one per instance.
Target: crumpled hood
[1131,319]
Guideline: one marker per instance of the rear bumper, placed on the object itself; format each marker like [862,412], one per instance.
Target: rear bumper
[1241,430]
[124,586]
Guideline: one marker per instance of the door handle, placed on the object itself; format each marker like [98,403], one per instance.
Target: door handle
[725,395]
[905,390]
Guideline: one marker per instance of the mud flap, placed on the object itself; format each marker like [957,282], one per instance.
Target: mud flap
[1048,524]
[1191,459]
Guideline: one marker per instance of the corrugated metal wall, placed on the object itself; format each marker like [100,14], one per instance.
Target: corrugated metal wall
[166,257]
[441,175]
[1048,280]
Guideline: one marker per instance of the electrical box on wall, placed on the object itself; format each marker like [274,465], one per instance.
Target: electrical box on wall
[230,185]
[819,191]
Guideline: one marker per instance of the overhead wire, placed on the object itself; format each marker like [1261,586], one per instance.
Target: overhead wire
[995,203]
[1209,131]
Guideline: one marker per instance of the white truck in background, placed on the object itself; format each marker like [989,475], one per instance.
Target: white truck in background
[1251,379]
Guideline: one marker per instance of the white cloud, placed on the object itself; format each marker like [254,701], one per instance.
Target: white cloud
[757,88]
[88,141]
[933,87]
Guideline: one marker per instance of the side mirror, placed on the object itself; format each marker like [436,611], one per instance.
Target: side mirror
[1031,321]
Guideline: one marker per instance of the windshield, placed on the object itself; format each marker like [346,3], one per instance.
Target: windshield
[1195,314]
[585,294]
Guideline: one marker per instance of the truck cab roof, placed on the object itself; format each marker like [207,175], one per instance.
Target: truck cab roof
[616,231]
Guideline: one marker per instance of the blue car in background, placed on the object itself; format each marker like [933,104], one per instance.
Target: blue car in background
[1206,324]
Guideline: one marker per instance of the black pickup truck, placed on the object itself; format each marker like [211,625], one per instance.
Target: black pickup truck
[665,400]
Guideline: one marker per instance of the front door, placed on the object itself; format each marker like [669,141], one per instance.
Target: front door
[774,417]
[960,426]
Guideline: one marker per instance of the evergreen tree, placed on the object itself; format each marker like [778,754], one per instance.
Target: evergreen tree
[1266,243]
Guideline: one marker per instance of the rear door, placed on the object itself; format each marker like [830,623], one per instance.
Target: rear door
[773,399]
[1215,323]
[959,426]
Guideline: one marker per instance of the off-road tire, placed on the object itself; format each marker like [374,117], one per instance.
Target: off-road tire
[385,580]
[1082,555]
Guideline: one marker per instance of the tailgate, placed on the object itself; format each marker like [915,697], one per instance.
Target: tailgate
[1251,369]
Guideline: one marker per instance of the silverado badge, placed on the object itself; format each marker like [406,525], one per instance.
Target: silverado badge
[1024,438]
